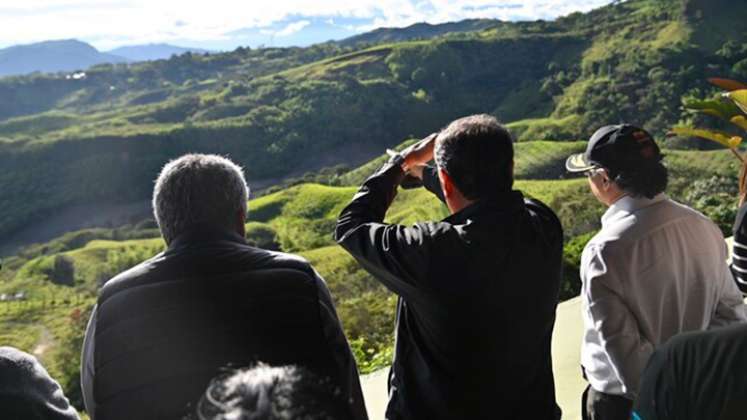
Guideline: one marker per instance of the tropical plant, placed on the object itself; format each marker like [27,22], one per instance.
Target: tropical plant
[730,106]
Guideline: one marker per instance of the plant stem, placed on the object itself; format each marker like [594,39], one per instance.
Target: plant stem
[741,159]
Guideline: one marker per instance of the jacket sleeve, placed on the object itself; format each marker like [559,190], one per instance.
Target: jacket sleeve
[618,329]
[335,338]
[396,255]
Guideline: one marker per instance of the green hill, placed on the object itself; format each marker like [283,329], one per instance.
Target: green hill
[281,112]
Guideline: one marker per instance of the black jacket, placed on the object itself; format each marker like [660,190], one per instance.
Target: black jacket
[697,375]
[478,293]
[162,330]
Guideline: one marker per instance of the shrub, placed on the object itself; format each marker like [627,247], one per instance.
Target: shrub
[63,270]
[716,197]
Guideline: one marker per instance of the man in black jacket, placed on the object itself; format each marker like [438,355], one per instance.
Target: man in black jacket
[696,375]
[478,290]
[163,329]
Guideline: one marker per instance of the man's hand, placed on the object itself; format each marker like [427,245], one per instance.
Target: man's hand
[418,155]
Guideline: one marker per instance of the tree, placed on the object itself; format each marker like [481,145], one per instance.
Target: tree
[63,270]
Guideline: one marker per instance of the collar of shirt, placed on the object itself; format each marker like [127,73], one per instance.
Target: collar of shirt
[627,205]
[200,234]
[509,202]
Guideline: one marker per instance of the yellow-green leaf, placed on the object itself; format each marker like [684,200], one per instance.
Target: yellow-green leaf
[739,97]
[712,112]
[740,121]
[727,84]
[720,107]
[725,139]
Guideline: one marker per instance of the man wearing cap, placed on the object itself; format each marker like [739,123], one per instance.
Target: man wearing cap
[655,269]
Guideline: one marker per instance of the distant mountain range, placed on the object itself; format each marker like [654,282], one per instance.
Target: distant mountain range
[71,54]
[152,51]
[52,56]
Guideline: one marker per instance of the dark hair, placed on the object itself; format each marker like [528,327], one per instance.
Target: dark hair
[272,393]
[647,180]
[477,152]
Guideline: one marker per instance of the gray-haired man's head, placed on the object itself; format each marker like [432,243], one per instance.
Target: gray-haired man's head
[200,190]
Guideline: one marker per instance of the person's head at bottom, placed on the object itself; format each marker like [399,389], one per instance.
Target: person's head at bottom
[27,391]
[272,393]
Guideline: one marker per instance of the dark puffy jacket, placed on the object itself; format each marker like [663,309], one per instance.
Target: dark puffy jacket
[162,330]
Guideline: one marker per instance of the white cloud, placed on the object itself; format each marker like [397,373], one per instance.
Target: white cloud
[110,23]
[292,28]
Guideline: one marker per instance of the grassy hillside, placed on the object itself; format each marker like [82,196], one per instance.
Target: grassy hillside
[281,112]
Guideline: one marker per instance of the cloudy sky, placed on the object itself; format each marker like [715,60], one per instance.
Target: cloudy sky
[226,24]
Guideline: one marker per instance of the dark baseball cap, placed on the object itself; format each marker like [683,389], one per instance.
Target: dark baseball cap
[618,148]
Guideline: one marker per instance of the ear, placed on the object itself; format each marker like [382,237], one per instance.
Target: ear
[447,185]
[605,178]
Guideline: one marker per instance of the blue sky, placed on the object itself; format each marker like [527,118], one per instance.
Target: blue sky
[227,24]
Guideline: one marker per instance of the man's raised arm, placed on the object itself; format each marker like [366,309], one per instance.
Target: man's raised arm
[394,254]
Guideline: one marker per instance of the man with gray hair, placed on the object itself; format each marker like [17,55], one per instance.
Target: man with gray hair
[163,329]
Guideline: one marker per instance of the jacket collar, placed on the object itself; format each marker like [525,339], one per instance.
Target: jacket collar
[202,234]
[509,202]
[629,205]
